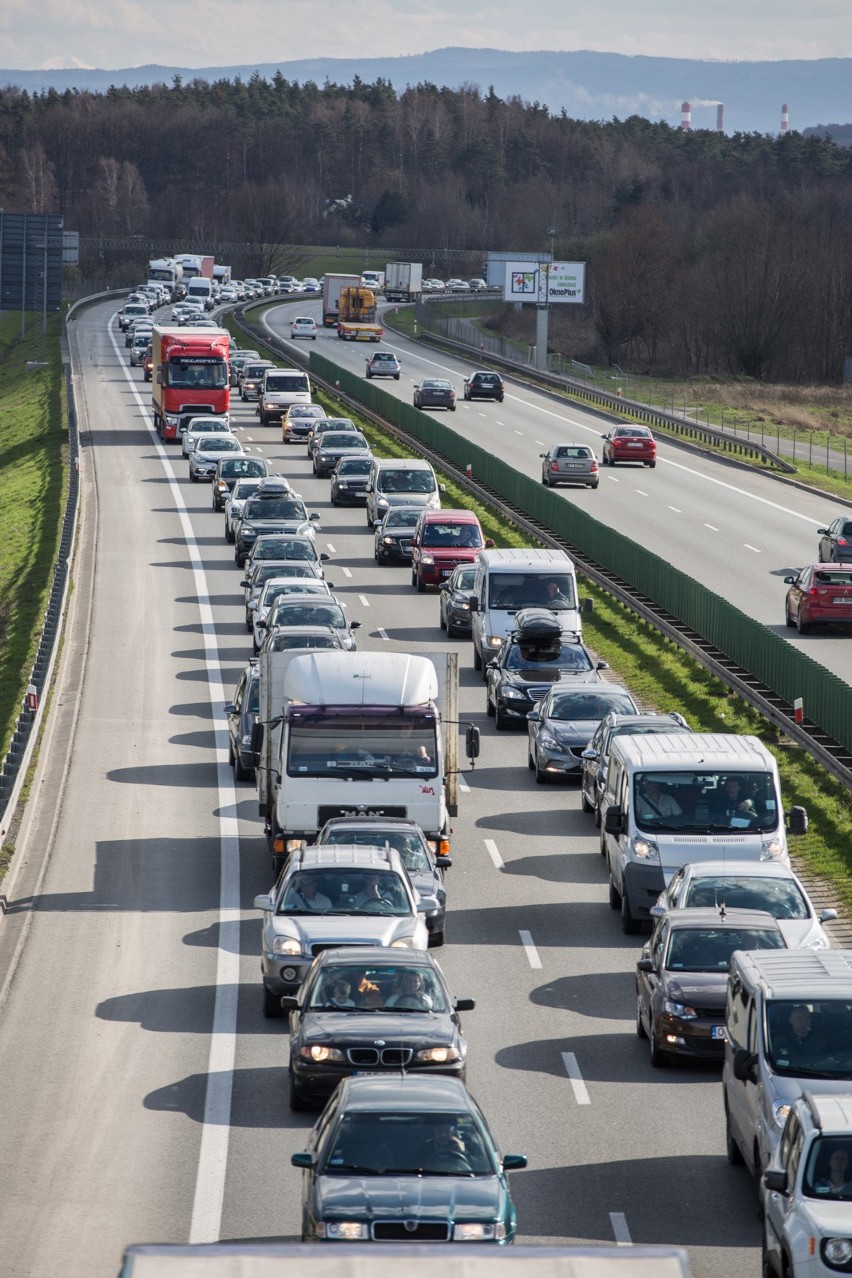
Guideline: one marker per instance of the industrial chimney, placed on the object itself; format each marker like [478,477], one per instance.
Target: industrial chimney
[685,116]
[720,117]
[785,119]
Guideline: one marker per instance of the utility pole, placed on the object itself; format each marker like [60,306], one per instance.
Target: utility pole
[543,305]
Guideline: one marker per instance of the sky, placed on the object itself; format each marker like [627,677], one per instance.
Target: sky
[112,34]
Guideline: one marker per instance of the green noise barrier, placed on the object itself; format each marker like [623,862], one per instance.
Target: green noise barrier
[787,671]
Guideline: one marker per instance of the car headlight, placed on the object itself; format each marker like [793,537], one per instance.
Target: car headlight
[319,1052]
[780,1110]
[343,1230]
[388,541]
[438,1055]
[475,1231]
[772,850]
[341,483]
[513,694]
[494,641]
[837,1251]
[382,502]
[286,945]
[404,943]
[682,1010]
[462,607]
[645,850]
[427,559]
[550,743]
[222,486]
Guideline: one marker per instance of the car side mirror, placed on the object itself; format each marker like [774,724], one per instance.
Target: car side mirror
[446,863]
[245,584]
[602,665]
[826,916]
[645,965]
[443,585]
[264,902]
[514,1162]
[589,753]
[230,709]
[823,532]
[302,1160]
[257,734]
[493,664]
[534,716]
[489,543]
[442,488]
[377,523]
[464,1004]
[745,1065]
[614,820]
[789,581]
[289,1003]
[798,820]
[775,1180]
[354,625]
[314,516]
[657,911]
[473,603]
[324,558]
[262,623]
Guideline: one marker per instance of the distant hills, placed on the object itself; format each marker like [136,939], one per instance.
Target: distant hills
[587,86]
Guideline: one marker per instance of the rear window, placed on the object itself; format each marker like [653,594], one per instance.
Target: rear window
[825,578]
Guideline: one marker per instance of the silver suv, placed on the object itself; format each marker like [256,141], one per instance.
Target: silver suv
[807,1191]
[332,896]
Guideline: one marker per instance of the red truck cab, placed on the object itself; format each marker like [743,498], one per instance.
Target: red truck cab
[190,376]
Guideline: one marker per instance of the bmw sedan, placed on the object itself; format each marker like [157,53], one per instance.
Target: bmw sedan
[405,1159]
[563,723]
[394,534]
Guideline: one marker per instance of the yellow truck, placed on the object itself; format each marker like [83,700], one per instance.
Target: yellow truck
[356,319]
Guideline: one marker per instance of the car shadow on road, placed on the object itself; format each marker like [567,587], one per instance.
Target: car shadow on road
[565,867]
[258,1098]
[617,1057]
[565,925]
[195,710]
[202,740]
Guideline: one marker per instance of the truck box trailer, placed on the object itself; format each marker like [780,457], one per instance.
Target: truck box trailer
[403,281]
[189,376]
[331,296]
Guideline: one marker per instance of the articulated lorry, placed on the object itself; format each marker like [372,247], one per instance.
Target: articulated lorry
[189,376]
[331,291]
[166,271]
[403,281]
[356,733]
[356,321]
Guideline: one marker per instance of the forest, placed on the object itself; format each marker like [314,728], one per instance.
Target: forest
[707,253]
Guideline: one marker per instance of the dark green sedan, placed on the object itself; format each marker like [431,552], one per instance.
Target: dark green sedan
[400,1158]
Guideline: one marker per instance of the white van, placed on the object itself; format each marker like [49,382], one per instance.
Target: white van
[671,798]
[788,1029]
[200,291]
[507,580]
[281,387]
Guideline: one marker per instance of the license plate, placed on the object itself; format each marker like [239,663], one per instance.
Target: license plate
[717,1031]
[635,445]
[445,572]
[843,599]
[367,1073]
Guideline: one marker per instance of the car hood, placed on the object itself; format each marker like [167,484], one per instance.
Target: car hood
[201,453]
[799,933]
[571,729]
[410,1197]
[452,554]
[342,929]
[393,1028]
[407,499]
[709,989]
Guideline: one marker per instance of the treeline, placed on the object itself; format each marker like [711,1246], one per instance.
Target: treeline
[706,253]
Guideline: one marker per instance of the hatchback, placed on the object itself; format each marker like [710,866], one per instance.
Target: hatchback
[483,385]
[629,444]
[564,721]
[229,471]
[333,446]
[298,422]
[303,326]
[835,541]
[819,595]
[394,534]
[569,464]
[206,455]
[442,540]
[349,481]
[383,364]
[455,601]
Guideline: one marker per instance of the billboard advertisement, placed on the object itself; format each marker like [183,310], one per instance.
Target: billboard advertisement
[566,281]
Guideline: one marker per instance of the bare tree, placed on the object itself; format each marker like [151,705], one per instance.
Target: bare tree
[38,185]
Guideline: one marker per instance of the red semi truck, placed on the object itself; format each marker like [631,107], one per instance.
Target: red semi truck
[190,376]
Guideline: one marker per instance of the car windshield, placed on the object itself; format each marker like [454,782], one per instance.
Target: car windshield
[244,488]
[275,508]
[452,536]
[285,548]
[588,705]
[284,641]
[294,383]
[382,1143]
[350,890]
[709,949]
[513,590]
[313,613]
[406,481]
[346,440]
[464,580]
[548,656]
[828,1172]
[810,1040]
[401,518]
[782,898]
[241,466]
[325,744]
[706,801]
[354,466]
[219,444]
[390,987]
[411,850]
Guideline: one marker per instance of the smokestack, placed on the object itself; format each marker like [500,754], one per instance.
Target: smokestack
[685,116]
[720,117]
[785,118]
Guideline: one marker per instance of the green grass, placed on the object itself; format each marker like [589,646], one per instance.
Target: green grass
[319,260]
[33,489]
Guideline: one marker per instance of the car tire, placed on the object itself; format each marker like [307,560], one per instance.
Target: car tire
[438,939]
[241,773]
[541,778]
[421,585]
[659,1060]
[803,627]
[614,895]
[788,619]
[193,477]
[651,465]
[530,760]
[229,536]
[396,377]
[596,807]
[477,659]
[501,722]
[249,622]
[584,802]
[545,480]
[596,484]
[443,623]
[452,408]
[489,709]
[732,1149]
[230,753]
[299,1104]
[640,1028]
[629,925]
[271,1005]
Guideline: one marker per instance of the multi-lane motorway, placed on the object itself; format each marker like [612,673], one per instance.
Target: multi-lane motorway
[144,1096]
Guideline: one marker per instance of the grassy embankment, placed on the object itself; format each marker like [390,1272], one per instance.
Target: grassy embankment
[33,486]
[663,677]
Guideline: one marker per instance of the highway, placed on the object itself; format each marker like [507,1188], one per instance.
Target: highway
[734,529]
[144,1095]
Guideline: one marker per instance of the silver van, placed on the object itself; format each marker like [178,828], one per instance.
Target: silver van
[788,1029]
[507,580]
[671,798]
[400,481]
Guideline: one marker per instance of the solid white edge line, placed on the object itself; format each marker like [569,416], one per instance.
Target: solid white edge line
[491,848]
[572,1069]
[206,1222]
[530,950]
[365,603]
[620,1230]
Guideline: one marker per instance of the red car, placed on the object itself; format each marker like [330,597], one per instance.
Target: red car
[629,444]
[442,540]
[819,595]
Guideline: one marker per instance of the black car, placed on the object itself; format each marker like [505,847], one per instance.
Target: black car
[394,534]
[682,978]
[405,1159]
[425,863]
[534,656]
[596,754]
[455,600]
[561,725]
[229,470]
[333,445]
[835,541]
[484,385]
[349,480]
[264,513]
[366,1008]
[435,392]
[242,715]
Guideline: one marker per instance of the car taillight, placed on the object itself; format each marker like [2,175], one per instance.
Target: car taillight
[813,592]
[841,541]
[594,466]
[554,465]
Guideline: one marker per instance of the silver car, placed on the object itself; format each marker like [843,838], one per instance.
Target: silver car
[198,426]
[300,610]
[570,464]
[334,896]
[264,571]
[207,454]
[275,589]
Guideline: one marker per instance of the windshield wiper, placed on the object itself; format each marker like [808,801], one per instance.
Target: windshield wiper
[352,1168]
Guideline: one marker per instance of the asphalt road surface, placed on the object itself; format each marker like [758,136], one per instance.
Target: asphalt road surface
[144,1096]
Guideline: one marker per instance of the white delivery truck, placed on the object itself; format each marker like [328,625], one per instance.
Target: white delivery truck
[403,281]
[356,734]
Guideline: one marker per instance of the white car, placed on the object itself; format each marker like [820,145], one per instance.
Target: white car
[241,491]
[303,326]
[198,426]
[279,588]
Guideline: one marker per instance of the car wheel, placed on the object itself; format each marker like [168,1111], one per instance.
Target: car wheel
[437,939]
[442,623]
[614,895]
[230,753]
[732,1149]
[271,1005]
[597,811]
[413,578]
[501,722]
[595,484]
[229,536]
[249,622]
[396,377]
[452,408]
[629,925]
[241,773]
[803,627]
[789,620]
[298,1103]
[421,585]
[651,465]
[640,1028]
[489,709]
[193,477]
[545,480]
[584,802]
[658,1059]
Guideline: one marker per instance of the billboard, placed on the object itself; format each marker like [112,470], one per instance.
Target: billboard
[566,281]
[31,250]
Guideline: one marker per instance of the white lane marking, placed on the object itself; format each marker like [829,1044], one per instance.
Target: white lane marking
[676,510]
[572,1069]
[365,603]
[206,1222]
[712,527]
[381,633]
[613,479]
[541,443]
[463,785]
[517,432]
[333,549]
[491,848]
[641,492]
[754,548]
[530,950]
[620,1231]
[482,414]
[345,571]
